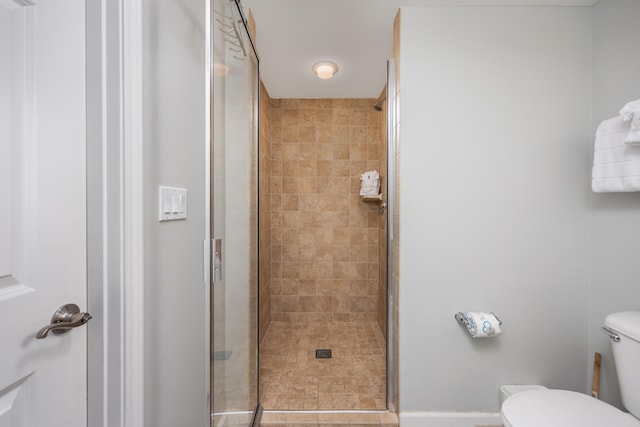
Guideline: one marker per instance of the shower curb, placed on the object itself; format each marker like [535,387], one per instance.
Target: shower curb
[328,419]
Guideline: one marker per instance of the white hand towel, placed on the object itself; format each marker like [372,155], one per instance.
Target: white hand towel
[631,113]
[616,165]
[482,325]
[370,185]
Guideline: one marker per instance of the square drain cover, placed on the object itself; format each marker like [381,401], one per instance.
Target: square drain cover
[323,353]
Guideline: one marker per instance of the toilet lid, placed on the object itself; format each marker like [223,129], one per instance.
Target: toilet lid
[561,408]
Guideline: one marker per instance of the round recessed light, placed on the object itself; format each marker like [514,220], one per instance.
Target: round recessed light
[325,69]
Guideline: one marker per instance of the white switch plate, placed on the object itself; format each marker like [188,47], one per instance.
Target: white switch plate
[172,203]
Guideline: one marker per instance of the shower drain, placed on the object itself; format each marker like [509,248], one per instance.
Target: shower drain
[323,353]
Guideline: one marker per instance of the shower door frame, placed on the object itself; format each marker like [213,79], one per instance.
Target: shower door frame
[257,411]
[392,202]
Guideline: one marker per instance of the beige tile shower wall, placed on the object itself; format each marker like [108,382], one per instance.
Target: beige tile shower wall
[324,239]
[264,292]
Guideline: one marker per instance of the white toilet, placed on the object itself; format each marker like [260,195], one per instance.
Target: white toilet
[561,408]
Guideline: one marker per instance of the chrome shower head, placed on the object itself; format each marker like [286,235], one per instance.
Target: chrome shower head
[380,102]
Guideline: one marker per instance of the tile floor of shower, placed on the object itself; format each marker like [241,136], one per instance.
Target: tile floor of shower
[293,379]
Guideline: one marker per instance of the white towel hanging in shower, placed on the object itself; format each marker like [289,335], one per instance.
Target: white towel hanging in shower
[370,183]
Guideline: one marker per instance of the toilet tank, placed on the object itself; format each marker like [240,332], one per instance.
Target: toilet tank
[626,354]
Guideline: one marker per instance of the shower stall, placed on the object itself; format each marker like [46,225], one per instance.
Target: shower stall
[328,335]
[302,279]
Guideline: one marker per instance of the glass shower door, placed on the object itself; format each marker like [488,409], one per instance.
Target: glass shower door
[234,224]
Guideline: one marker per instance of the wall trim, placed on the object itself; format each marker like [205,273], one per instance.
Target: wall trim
[106,367]
[132,212]
[450,419]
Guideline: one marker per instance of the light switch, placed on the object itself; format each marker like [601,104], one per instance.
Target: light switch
[166,203]
[175,203]
[172,203]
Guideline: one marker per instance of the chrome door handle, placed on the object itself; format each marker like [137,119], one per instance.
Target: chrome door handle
[64,319]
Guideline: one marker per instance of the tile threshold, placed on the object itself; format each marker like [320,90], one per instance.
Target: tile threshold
[329,418]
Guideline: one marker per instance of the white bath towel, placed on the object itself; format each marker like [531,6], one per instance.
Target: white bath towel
[631,113]
[616,165]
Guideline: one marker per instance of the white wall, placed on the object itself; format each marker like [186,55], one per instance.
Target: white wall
[5,140]
[494,169]
[175,122]
[615,234]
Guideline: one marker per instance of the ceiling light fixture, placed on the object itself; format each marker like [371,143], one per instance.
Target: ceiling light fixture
[325,69]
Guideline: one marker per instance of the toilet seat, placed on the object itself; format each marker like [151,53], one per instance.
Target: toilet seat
[561,408]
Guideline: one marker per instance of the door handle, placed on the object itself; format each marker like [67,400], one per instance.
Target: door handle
[217,260]
[64,319]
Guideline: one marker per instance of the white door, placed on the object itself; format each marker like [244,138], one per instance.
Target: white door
[42,210]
